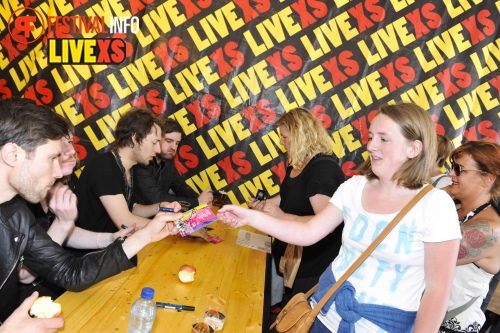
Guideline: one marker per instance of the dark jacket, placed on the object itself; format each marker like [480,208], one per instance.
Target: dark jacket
[24,241]
[154,181]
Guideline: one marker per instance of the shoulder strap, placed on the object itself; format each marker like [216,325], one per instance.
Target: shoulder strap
[438,179]
[367,252]
[455,312]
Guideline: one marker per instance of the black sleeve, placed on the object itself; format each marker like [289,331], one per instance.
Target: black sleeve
[182,190]
[325,177]
[49,260]
[151,191]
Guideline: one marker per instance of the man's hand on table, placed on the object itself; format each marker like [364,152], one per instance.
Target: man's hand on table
[161,226]
[200,233]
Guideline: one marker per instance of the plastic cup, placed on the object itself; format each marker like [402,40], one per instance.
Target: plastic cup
[215,316]
[201,326]
[184,206]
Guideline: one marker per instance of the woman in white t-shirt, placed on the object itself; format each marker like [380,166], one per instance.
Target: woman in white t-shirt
[386,293]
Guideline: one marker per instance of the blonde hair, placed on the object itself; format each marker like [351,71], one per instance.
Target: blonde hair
[415,124]
[307,137]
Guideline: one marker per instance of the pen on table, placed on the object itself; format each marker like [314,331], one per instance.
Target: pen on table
[166,209]
[178,307]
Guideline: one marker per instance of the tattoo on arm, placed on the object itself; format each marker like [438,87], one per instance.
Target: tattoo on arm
[476,238]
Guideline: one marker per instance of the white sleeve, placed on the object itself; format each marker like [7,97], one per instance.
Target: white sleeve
[346,191]
[443,182]
[440,217]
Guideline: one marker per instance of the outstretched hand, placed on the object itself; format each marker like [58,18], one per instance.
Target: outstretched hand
[235,216]
[20,321]
[162,225]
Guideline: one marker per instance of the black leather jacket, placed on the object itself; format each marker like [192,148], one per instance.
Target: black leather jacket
[22,241]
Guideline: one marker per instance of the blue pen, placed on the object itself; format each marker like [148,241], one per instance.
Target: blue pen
[178,307]
[166,209]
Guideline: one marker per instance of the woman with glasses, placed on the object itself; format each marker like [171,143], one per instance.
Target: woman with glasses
[476,184]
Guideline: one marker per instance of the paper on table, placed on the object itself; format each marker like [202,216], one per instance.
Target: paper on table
[254,241]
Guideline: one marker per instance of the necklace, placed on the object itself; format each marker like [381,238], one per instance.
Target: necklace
[128,186]
[473,212]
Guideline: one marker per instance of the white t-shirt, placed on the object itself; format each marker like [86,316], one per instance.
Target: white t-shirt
[443,181]
[393,274]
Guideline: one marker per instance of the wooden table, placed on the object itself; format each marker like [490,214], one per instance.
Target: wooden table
[226,274]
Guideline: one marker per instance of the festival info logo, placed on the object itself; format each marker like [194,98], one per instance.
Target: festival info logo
[64,48]
[28,25]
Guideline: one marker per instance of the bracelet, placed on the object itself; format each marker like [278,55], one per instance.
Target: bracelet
[97,241]
[159,205]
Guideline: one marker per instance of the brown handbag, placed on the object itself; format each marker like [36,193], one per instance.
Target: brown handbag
[297,316]
[289,264]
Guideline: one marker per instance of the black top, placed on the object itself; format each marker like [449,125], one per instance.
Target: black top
[157,181]
[321,175]
[44,219]
[101,176]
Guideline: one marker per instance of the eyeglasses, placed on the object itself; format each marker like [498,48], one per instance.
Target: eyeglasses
[458,169]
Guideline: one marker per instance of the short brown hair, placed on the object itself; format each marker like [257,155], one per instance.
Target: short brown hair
[169,125]
[138,122]
[29,125]
[415,124]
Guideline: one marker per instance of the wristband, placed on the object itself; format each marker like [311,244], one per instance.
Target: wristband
[97,241]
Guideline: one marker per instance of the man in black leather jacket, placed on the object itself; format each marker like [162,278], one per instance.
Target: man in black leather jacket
[29,146]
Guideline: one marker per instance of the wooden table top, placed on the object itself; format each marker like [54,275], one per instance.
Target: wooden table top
[226,274]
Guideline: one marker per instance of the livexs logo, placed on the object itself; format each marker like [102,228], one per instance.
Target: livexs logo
[86,51]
